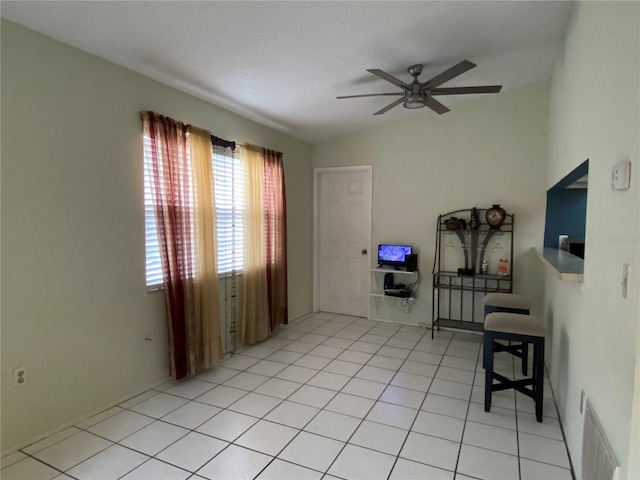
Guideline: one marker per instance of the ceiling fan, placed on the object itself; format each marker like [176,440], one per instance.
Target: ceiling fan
[418,95]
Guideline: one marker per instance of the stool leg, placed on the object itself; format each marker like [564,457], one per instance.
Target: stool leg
[493,344]
[525,358]
[483,357]
[538,375]
[488,369]
[486,312]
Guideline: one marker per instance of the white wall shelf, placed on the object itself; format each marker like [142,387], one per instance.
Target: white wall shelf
[391,270]
[382,295]
[382,304]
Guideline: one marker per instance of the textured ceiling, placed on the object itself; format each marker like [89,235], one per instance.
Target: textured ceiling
[283,63]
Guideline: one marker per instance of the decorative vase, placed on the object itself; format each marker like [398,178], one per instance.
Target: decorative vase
[453,223]
[474,223]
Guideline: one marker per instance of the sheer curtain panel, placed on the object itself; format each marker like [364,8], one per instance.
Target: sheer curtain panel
[205,348]
[171,188]
[255,306]
[182,189]
[275,215]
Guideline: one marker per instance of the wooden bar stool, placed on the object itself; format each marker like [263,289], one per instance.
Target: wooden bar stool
[517,328]
[509,303]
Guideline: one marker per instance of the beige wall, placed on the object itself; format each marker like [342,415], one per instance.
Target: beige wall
[75,311]
[595,114]
[633,469]
[489,150]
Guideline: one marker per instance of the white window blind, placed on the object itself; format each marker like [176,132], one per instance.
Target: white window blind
[229,192]
[230,188]
[153,262]
[152,248]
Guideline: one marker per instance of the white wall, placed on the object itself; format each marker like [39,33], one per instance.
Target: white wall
[75,311]
[633,469]
[489,150]
[595,114]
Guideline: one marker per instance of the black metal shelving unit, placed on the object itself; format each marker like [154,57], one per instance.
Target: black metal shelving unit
[457,297]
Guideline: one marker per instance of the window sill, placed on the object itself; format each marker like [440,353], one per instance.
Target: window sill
[565,265]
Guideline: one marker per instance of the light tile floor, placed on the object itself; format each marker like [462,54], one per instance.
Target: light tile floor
[328,396]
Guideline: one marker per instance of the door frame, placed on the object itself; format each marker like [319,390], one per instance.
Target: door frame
[316,229]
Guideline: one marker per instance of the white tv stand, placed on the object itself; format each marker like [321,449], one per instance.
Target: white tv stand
[381,303]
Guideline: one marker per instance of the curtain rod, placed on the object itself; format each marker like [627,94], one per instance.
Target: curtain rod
[220,142]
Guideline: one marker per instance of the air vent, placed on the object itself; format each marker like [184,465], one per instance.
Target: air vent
[598,460]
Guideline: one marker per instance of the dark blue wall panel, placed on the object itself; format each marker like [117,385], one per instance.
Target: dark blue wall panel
[566,215]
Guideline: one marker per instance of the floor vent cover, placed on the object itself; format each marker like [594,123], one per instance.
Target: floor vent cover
[598,460]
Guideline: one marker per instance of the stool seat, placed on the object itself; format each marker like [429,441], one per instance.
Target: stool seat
[514,327]
[515,323]
[511,301]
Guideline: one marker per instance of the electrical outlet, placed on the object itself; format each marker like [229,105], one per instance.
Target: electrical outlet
[19,377]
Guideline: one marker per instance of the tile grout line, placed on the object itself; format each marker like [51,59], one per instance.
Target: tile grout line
[60,472]
[369,411]
[386,384]
[193,430]
[232,442]
[361,419]
[375,400]
[132,433]
[515,399]
[466,418]
[337,393]
[300,430]
[420,409]
[564,439]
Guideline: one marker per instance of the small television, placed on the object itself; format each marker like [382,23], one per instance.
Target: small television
[393,255]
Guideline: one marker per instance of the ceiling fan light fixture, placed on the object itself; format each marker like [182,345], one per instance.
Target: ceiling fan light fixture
[418,94]
[414,101]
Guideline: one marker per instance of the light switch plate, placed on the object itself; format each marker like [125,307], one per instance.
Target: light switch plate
[621,175]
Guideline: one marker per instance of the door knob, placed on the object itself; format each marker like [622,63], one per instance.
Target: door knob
[364,251]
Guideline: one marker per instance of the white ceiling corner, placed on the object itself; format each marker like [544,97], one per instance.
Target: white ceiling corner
[283,63]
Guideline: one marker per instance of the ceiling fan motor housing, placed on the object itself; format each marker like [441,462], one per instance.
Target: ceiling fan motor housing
[417,95]
[414,98]
[414,101]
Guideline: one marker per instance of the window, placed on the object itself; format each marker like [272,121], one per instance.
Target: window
[229,186]
[153,262]
[567,210]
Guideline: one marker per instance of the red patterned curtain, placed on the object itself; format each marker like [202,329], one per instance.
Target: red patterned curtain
[276,237]
[172,193]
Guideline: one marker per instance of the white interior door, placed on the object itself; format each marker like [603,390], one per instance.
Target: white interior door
[343,240]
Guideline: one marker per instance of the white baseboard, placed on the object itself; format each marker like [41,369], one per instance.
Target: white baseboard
[81,418]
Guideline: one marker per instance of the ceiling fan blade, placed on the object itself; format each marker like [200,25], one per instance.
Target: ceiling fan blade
[466,90]
[436,106]
[448,74]
[390,106]
[370,95]
[389,78]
